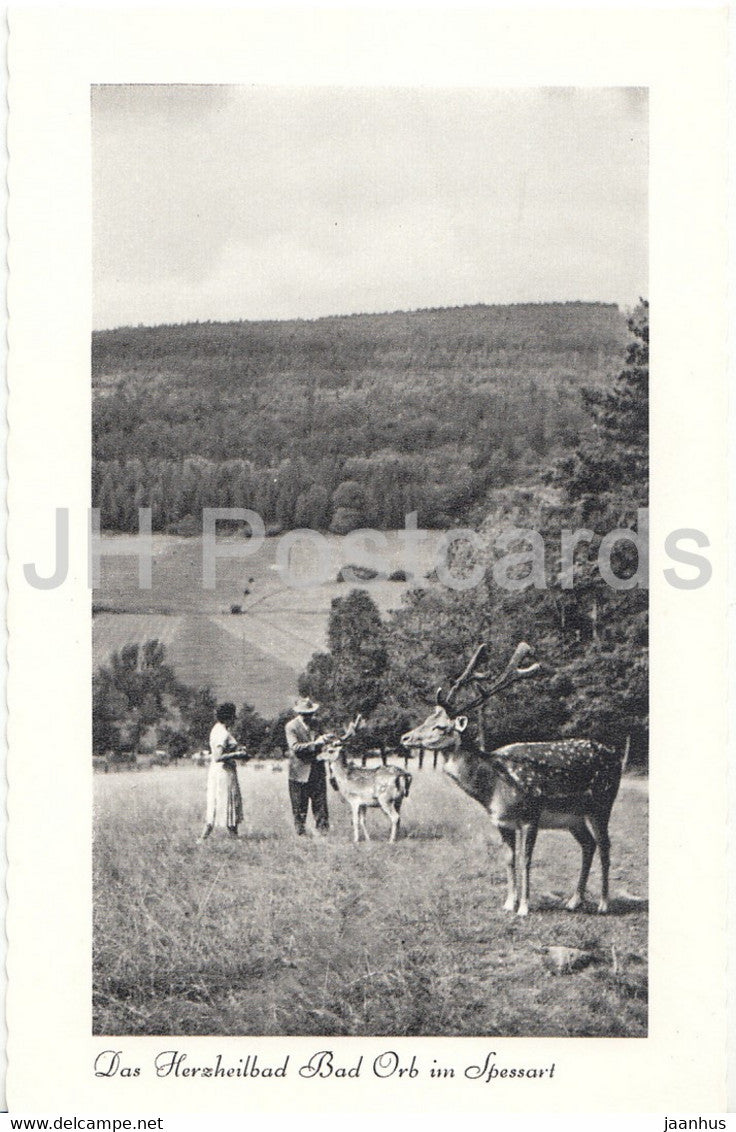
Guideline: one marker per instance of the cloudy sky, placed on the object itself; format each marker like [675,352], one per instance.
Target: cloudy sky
[249,202]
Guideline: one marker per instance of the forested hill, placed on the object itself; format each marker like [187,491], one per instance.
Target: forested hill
[342,421]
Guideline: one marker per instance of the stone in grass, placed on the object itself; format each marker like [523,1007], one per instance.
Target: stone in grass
[565,960]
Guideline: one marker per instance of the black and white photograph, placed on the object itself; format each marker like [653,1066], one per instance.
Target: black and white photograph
[368,607]
[370,510]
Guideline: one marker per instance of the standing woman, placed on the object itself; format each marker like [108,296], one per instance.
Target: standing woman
[224,800]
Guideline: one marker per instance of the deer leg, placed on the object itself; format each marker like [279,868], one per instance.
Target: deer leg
[356,823]
[363,826]
[509,849]
[392,813]
[587,843]
[526,848]
[599,828]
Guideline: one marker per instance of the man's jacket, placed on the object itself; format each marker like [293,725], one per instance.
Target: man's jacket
[302,749]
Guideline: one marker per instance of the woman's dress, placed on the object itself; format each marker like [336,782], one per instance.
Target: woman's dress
[224,800]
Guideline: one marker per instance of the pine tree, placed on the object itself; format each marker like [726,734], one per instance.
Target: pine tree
[618,455]
[350,677]
[252,730]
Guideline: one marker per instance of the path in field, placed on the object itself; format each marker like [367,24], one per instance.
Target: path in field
[290,641]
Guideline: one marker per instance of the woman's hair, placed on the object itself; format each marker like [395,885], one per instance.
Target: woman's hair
[225,713]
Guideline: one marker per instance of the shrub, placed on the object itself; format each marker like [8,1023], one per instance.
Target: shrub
[345,520]
[349,495]
[356,574]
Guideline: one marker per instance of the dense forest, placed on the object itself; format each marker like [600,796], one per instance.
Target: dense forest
[342,422]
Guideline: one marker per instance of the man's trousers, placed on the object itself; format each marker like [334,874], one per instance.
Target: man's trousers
[314,791]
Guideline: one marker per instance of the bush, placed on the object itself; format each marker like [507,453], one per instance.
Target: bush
[349,495]
[357,574]
[345,520]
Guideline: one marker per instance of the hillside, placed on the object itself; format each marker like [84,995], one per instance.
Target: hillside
[255,656]
[341,421]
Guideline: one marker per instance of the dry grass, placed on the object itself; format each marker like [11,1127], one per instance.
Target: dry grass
[274,935]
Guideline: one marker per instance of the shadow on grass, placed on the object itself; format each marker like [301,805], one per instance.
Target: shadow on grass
[617,906]
[222,841]
[438,833]
[626,905]
[200,984]
[441,833]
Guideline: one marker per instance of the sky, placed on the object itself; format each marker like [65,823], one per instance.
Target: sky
[233,202]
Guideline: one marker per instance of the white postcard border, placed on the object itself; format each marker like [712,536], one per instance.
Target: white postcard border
[54,56]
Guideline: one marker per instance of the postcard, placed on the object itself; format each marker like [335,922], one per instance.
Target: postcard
[367,543]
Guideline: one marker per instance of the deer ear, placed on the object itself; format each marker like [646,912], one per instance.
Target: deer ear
[461,723]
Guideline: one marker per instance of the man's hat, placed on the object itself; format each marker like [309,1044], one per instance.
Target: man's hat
[305,706]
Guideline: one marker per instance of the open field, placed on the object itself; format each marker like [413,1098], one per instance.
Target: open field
[274,935]
[255,656]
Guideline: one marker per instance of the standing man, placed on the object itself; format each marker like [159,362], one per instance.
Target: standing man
[307,777]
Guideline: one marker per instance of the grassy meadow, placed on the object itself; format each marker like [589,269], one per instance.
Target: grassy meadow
[277,935]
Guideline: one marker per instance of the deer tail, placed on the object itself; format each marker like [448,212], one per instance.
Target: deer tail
[403,782]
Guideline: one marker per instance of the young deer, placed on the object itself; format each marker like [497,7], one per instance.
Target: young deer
[568,784]
[385,787]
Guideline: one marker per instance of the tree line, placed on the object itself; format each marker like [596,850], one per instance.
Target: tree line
[421,411]
[330,495]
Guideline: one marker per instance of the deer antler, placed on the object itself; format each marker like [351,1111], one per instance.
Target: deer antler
[465,676]
[353,726]
[513,671]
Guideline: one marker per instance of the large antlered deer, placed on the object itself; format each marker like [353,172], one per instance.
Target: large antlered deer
[565,784]
[385,787]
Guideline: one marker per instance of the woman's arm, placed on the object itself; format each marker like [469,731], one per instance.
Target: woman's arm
[224,749]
